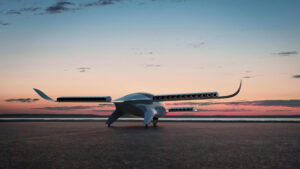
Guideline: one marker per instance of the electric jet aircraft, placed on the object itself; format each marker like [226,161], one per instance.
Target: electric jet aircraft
[145,105]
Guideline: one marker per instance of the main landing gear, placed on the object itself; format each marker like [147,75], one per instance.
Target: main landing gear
[154,121]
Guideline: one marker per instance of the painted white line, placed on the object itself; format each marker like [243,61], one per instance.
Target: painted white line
[161,119]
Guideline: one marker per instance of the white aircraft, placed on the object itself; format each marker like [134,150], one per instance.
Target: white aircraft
[145,105]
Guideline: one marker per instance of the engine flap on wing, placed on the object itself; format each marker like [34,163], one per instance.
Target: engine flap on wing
[174,109]
[194,96]
[185,96]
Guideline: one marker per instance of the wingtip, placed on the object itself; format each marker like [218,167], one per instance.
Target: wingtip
[234,94]
[238,90]
[239,87]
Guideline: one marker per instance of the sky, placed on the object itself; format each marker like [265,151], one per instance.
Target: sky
[116,47]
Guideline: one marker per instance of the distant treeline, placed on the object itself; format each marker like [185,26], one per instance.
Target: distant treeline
[129,116]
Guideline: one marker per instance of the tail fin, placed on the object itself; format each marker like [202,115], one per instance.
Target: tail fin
[74,99]
[43,95]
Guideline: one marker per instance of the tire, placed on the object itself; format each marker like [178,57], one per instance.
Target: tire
[155,120]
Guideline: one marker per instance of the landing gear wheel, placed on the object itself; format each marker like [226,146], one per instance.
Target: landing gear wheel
[108,125]
[155,120]
[146,125]
[155,124]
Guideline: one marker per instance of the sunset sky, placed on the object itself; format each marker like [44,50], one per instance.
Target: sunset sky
[116,47]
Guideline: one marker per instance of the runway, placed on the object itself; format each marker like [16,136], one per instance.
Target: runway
[92,145]
[163,119]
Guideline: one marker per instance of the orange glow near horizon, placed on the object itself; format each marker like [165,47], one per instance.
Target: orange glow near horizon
[160,47]
[44,107]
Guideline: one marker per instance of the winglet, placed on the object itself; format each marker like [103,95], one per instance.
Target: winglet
[232,95]
[43,95]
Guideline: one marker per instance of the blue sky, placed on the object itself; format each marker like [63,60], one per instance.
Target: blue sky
[159,46]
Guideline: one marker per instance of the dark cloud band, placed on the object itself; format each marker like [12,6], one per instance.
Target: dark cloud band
[296,76]
[22,100]
[287,53]
[59,7]
[4,23]
[101,3]
[284,103]
[152,65]
[21,10]
[67,108]
[83,69]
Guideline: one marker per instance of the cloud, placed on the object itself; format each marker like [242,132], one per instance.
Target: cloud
[284,103]
[105,105]
[21,10]
[63,6]
[248,77]
[171,0]
[102,110]
[83,69]
[144,53]
[59,7]
[32,9]
[66,108]
[196,45]
[152,65]
[101,3]
[296,76]
[22,100]
[4,23]
[287,53]
[99,108]
[13,12]
[188,103]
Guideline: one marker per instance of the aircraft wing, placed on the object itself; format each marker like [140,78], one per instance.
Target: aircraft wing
[74,99]
[193,96]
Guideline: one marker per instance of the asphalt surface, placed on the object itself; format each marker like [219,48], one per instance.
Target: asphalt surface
[85,145]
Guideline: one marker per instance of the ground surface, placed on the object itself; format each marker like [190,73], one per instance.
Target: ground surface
[172,145]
